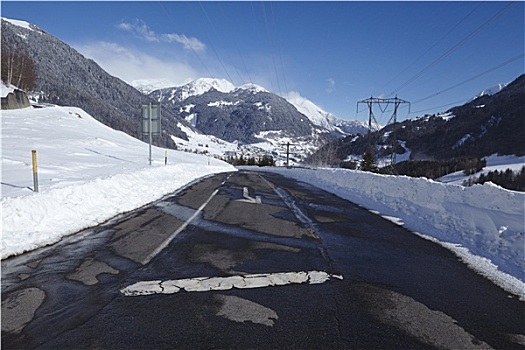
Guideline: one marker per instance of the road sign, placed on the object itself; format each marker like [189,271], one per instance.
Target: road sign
[151,122]
[151,118]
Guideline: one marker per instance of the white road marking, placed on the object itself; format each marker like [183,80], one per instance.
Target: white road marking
[203,284]
[248,199]
[179,230]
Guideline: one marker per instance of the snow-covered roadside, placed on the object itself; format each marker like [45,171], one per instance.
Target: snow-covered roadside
[88,173]
[44,218]
[482,224]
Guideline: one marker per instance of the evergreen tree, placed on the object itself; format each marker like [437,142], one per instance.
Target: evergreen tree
[369,162]
[241,161]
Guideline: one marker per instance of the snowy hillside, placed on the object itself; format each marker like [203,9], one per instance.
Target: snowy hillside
[316,115]
[87,174]
[324,119]
[22,24]
[57,65]
[491,91]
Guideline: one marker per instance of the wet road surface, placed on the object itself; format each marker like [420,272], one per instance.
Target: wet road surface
[252,260]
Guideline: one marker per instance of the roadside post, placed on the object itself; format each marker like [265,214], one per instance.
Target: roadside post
[35,172]
[288,154]
[151,122]
[165,157]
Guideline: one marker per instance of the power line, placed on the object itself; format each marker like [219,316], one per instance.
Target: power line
[190,46]
[279,52]
[446,105]
[474,77]
[226,52]
[212,47]
[451,50]
[255,15]
[271,47]
[237,50]
[435,44]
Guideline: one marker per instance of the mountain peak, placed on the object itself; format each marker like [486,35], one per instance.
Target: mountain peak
[322,118]
[202,85]
[252,87]
[22,24]
[491,91]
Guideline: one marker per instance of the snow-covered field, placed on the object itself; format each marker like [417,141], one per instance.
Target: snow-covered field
[89,173]
[493,163]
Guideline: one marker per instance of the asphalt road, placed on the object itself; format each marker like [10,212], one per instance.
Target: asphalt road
[252,261]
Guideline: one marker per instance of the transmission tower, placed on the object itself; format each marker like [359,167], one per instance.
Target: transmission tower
[383,104]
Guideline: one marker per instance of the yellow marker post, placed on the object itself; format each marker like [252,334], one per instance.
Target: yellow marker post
[165,156]
[35,173]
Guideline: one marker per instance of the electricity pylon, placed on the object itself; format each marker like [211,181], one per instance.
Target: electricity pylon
[383,104]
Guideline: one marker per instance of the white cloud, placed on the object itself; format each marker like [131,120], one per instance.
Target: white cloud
[140,29]
[330,85]
[188,43]
[130,65]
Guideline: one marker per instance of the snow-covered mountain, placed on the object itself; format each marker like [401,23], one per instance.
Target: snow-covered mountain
[146,86]
[324,119]
[194,88]
[259,121]
[313,112]
[253,88]
[491,91]
[242,114]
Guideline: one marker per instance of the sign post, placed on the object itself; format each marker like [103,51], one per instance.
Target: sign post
[151,122]
[35,172]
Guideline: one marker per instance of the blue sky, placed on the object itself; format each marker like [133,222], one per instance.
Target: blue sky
[433,54]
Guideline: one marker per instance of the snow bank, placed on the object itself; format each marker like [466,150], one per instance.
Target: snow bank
[43,218]
[483,224]
[87,173]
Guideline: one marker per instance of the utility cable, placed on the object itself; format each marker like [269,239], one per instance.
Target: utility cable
[271,47]
[445,105]
[213,48]
[435,44]
[255,15]
[237,50]
[454,48]
[472,78]
[279,52]
[190,46]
